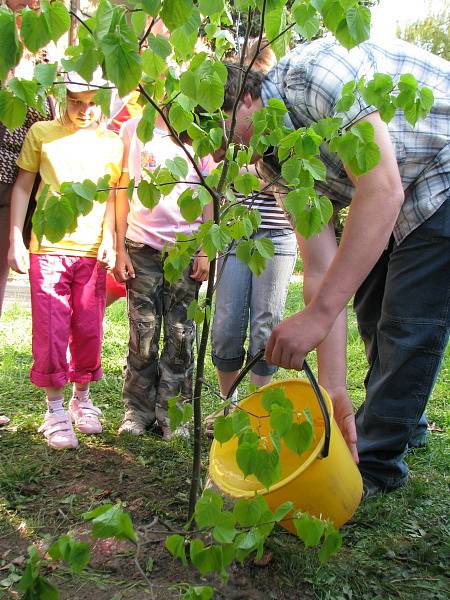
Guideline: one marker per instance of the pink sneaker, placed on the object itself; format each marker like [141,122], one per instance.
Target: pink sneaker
[85,415]
[58,431]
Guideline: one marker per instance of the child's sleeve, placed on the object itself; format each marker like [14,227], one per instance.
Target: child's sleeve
[30,155]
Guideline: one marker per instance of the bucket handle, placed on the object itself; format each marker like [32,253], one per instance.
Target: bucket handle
[314,385]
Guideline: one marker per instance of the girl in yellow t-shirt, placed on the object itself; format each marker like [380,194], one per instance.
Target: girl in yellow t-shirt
[67,278]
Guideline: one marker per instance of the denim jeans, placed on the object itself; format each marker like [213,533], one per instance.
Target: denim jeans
[403,312]
[242,296]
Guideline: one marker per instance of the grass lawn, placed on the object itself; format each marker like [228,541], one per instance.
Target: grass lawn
[396,546]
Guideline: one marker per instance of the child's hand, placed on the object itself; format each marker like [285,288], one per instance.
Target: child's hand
[123,269]
[200,268]
[106,255]
[18,257]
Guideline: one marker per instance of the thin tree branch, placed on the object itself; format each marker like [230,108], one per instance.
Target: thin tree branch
[75,16]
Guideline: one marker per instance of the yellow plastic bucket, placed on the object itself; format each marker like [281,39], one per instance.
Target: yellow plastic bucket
[323,481]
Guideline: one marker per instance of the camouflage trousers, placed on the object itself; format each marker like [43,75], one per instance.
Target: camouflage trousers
[151,378]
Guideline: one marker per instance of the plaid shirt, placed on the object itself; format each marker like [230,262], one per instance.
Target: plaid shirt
[309,80]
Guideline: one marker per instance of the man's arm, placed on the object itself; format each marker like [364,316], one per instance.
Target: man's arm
[317,254]
[376,202]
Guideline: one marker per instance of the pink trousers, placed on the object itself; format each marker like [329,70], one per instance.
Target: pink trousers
[68,303]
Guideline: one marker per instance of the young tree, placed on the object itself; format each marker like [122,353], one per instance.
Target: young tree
[186,88]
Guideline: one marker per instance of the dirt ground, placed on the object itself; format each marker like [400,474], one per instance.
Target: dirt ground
[56,492]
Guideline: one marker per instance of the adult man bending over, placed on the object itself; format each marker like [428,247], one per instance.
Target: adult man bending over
[394,255]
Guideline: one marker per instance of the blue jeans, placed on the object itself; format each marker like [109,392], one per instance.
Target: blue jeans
[403,312]
[241,295]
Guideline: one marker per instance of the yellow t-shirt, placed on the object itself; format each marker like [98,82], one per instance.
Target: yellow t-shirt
[61,154]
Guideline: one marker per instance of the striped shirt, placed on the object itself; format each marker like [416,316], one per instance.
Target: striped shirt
[309,80]
[272,216]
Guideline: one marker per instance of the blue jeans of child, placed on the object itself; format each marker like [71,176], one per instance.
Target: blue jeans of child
[403,312]
[242,296]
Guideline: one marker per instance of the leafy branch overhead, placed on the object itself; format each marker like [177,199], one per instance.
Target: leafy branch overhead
[188,82]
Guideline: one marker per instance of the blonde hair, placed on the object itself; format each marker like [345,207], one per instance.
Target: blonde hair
[264,60]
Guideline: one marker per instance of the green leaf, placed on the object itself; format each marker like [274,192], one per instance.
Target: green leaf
[244,250]
[282,511]
[247,457]
[198,592]
[309,529]
[152,64]
[211,7]
[275,396]
[9,42]
[45,590]
[104,17]
[257,263]
[358,21]
[347,98]
[175,13]
[295,203]
[80,555]
[223,429]
[111,521]
[281,418]
[316,167]
[102,97]
[148,194]
[151,7]
[178,167]
[367,157]
[34,31]
[290,170]
[83,58]
[328,127]
[24,90]
[179,118]
[146,124]
[224,531]
[160,45]
[175,544]
[190,206]
[240,421]
[122,61]
[331,544]
[207,560]
[184,38]
[326,209]
[59,218]
[210,90]
[307,20]
[246,183]
[87,189]
[57,18]
[299,437]
[309,222]
[248,512]
[45,74]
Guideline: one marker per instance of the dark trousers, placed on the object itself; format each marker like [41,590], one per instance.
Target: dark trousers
[403,312]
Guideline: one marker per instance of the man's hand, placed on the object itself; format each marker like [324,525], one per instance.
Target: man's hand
[344,417]
[200,268]
[106,255]
[123,269]
[18,257]
[293,338]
